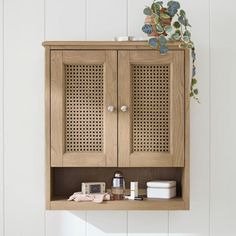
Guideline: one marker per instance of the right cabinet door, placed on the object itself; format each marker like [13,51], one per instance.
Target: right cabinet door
[151,108]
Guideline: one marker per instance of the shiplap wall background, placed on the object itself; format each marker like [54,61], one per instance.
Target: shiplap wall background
[24,25]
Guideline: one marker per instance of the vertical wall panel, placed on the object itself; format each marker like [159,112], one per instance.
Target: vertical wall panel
[23,116]
[151,223]
[1,124]
[223,117]
[136,17]
[65,19]
[196,221]
[65,223]
[101,223]
[106,19]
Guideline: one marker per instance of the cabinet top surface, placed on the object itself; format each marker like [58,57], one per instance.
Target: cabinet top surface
[104,44]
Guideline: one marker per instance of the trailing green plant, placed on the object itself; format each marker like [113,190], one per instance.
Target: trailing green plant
[170,23]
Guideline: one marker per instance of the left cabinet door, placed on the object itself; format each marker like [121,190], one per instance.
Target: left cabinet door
[83,129]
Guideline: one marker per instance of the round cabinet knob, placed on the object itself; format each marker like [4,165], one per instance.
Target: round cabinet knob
[124,108]
[110,108]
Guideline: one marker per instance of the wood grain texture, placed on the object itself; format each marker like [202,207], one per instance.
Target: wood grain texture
[57,109]
[175,156]
[177,109]
[47,92]
[186,170]
[146,204]
[60,156]
[115,44]
[68,180]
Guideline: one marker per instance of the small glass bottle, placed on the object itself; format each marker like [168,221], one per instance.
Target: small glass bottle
[118,186]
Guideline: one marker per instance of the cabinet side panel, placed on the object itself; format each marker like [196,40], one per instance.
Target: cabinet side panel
[57,105]
[177,110]
[186,176]
[47,128]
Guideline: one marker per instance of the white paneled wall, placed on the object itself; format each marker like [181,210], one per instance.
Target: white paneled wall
[106,19]
[223,122]
[24,117]
[1,125]
[26,24]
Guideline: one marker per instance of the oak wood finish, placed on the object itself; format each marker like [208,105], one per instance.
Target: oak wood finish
[175,98]
[59,155]
[68,180]
[104,45]
[146,204]
[48,177]
[177,167]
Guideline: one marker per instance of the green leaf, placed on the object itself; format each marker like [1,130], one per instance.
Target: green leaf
[157,19]
[168,29]
[182,12]
[155,8]
[187,33]
[190,45]
[178,32]
[162,40]
[165,16]
[159,28]
[163,49]
[147,11]
[147,29]
[191,94]
[153,42]
[186,39]
[176,25]
[176,36]
[169,3]
[194,81]
[183,45]
[195,91]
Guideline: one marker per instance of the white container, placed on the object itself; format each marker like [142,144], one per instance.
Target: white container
[133,189]
[161,189]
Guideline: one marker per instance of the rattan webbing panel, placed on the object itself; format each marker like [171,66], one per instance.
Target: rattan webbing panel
[151,99]
[84,108]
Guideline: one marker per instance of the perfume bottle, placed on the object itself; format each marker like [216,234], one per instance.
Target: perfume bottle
[118,186]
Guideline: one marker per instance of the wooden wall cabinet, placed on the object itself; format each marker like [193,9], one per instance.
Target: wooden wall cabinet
[116,105]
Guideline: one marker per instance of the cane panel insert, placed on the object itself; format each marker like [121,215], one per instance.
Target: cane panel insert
[151,108]
[84,98]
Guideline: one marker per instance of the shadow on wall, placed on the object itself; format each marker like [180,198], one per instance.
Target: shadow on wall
[123,222]
[119,223]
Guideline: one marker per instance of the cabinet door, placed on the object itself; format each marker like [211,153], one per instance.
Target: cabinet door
[83,85]
[151,95]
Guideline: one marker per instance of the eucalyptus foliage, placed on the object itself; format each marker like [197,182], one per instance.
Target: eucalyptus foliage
[170,23]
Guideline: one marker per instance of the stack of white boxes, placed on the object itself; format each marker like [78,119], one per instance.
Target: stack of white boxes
[161,189]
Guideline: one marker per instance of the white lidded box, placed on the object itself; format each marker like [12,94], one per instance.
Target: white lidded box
[161,189]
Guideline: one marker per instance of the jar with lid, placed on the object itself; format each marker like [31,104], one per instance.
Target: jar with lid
[118,186]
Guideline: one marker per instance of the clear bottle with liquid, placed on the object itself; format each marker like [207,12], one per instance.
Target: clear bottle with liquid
[118,186]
